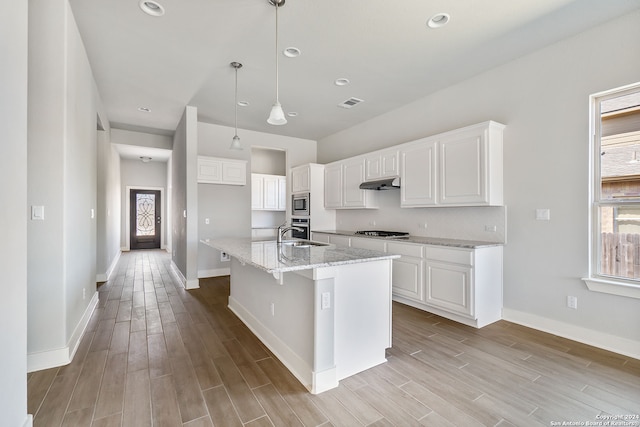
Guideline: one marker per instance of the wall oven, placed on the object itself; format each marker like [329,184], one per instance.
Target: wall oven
[300,204]
[302,223]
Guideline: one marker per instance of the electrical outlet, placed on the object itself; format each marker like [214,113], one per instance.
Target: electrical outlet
[206,221]
[373,223]
[224,256]
[84,294]
[490,228]
[572,302]
[273,309]
[326,300]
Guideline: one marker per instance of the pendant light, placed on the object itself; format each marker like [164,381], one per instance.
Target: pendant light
[276,117]
[235,143]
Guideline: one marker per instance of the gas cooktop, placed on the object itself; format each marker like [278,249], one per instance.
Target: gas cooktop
[385,234]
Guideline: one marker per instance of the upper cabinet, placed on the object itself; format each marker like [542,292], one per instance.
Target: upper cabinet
[381,164]
[301,179]
[215,170]
[457,168]
[268,192]
[342,185]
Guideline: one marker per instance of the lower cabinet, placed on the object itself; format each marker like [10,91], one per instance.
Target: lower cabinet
[461,284]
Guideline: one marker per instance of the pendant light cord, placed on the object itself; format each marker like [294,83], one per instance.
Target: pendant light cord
[277,4]
[236,100]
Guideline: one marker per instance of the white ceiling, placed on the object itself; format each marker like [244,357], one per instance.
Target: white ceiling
[383,47]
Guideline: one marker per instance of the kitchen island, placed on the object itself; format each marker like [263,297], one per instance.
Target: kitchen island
[324,311]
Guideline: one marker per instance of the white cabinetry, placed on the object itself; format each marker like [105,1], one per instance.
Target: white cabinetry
[215,170]
[381,164]
[301,179]
[408,271]
[417,181]
[342,185]
[457,168]
[267,192]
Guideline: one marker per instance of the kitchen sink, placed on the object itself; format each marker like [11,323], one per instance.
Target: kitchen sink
[303,243]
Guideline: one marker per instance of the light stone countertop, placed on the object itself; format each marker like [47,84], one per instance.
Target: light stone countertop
[268,256]
[455,243]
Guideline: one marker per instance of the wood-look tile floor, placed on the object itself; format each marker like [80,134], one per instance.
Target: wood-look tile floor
[157,355]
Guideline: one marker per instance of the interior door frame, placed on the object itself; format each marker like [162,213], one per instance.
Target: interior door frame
[127,231]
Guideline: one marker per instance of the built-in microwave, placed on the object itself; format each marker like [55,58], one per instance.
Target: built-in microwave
[300,204]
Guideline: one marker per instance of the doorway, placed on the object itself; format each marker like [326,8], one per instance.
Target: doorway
[145,219]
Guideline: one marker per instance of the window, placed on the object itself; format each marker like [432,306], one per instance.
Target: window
[615,198]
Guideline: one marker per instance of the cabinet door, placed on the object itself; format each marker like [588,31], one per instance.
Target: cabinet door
[333,186]
[389,164]
[300,181]
[270,197]
[353,196]
[417,184]
[449,287]
[407,277]
[282,193]
[463,169]
[209,171]
[234,173]
[373,167]
[257,191]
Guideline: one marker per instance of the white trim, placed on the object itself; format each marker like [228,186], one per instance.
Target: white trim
[28,422]
[103,277]
[127,216]
[187,284]
[63,356]
[598,339]
[214,272]
[613,287]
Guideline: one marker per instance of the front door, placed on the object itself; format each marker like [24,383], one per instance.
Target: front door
[146,220]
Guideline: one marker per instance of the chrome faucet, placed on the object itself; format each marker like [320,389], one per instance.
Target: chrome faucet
[282,231]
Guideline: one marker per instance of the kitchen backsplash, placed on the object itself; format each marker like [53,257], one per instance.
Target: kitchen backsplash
[468,223]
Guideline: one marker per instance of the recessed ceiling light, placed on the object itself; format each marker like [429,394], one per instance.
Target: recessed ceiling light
[145,159]
[144,109]
[291,52]
[438,20]
[243,103]
[151,7]
[292,114]
[342,82]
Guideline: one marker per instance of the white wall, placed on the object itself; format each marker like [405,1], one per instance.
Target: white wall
[229,206]
[141,139]
[62,177]
[135,173]
[543,100]
[13,219]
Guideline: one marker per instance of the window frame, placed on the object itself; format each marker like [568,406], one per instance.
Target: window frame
[596,281]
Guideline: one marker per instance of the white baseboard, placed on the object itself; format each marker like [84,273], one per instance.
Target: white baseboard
[63,356]
[28,422]
[601,340]
[187,284]
[103,277]
[214,272]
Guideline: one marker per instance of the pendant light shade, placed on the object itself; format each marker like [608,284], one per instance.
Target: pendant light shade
[276,117]
[235,143]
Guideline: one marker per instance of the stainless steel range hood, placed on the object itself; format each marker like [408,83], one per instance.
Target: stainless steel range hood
[381,184]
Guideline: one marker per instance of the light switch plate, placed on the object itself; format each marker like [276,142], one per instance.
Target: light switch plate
[543,214]
[37,213]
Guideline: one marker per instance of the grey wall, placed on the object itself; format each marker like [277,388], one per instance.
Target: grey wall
[135,173]
[229,206]
[13,219]
[109,205]
[543,100]
[268,161]
[62,176]
[184,197]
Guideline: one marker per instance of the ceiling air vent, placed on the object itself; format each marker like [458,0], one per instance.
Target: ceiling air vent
[351,102]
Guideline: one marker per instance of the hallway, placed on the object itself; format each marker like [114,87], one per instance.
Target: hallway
[155,354]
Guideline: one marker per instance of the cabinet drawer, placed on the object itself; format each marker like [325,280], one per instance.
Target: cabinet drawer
[458,256]
[405,249]
[340,240]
